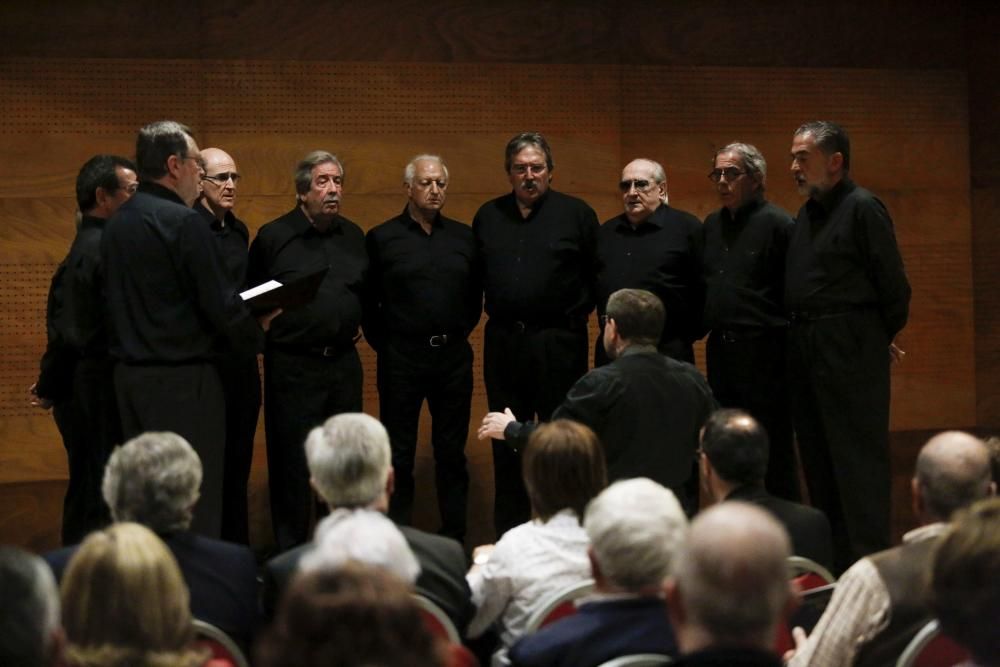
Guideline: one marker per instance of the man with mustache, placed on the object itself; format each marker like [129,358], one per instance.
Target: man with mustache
[238,372]
[424,299]
[847,297]
[311,367]
[539,264]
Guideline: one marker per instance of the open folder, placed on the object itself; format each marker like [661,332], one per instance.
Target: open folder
[271,295]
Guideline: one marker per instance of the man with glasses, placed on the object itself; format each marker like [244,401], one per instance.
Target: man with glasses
[170,303]
[656,247]
[847,297]
[238,372]
[745,243]
[539,265]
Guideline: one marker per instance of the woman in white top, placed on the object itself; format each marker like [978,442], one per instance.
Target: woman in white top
[563,469]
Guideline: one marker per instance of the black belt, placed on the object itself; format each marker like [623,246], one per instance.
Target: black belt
[315,350]
[813,314]
[734,335]
[428,340]
[529,326]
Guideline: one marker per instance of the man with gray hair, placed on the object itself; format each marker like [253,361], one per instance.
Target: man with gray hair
[424,299]
[656,247]
[730,588]
[172,308]
[31,634]
[154,479]
[350,463]
[884,599]
[745,243]
[646,408]
[311,366]
[635,528]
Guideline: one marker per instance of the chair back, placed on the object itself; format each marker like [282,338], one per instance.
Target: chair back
[638,660]
[560,604]
[808,573]
[930,648]
[224,650]
[437,621]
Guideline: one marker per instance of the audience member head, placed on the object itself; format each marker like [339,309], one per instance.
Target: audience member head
[363,536]
[104,183]
[350,461]
[354,616]
[632,317]
[30,633]
[153,479]
[563,468]
[730,585]
[993,444]
[965,595]
[735,449]
[635,528]
[125,602]
[166,153]
[953,471]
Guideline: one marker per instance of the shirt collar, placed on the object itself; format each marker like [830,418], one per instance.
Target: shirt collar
[827,201]
[413,224]
[743,211]
[302,226]
[91,221]
[655,219]
[927,532]
[161,191]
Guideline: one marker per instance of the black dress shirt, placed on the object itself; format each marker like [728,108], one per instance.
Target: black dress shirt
[745,266]
[540,269]
[843,256]
[646,408]
[661,254]
[291,247]
[421,284]
[166,289]
[234,237]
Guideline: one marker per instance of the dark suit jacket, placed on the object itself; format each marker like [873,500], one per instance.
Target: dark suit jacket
[442,575]
[598,632]
[807,526]
[221,576]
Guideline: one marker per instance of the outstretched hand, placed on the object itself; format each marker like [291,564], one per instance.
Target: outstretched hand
[494,424]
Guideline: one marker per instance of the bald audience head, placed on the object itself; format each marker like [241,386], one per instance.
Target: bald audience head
[731,584]
[350,461]
[953,471]
[735,448]
[30,632]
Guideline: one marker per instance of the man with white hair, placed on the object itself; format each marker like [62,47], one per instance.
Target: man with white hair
[365,536]
[154,479]
[349,459]
[30,632]
[424,299]
[631,554]
[730,588]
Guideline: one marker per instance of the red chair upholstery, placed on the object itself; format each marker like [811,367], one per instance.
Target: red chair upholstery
[559,605]
[930,648]
[225,651]
[437,621]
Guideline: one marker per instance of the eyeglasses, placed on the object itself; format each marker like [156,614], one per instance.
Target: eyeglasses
[220,179]
[730,174]
[640,185]
[198,160]
[604,320]
[533,169]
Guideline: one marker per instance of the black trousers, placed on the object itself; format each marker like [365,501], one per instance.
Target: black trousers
[747,370]
[185,399]
[301,391]
[90,427]
[410,371]
[241,386]
[839,389]
[529,371]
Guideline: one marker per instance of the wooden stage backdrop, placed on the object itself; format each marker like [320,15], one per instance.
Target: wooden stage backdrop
[379,82]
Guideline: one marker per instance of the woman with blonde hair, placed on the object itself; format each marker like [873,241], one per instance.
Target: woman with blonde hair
[125,603]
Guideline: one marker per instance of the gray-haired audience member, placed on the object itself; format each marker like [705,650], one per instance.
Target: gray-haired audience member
[365,536]
[734,448]
[730,587]
[311,367]
[350,465]
[154,479]
[635,528]
[883,600]
[30,632]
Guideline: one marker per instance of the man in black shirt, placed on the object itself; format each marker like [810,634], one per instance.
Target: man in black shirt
[646,408]
[539,264]
[655,247]
[423,300]
[238,372]
[170,304]
[745,245]
[75,377]
[311,367]
[847,297]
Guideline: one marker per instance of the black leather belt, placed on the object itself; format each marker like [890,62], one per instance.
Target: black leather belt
[525,326]
[811,315]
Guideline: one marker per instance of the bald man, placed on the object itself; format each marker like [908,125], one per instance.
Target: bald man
[730,588]
[655,247]
[239,372]
[882,600]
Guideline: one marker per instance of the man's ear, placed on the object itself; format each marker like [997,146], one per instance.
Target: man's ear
[836,161]
[390,482]
[675,603]
[595,567]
